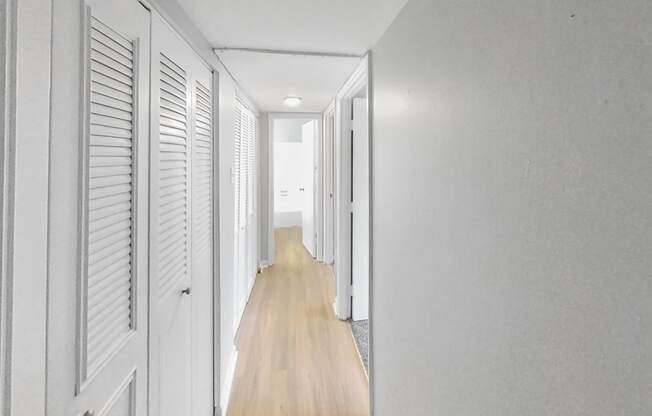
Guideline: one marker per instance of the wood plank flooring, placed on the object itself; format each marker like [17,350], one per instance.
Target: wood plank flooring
[295,357]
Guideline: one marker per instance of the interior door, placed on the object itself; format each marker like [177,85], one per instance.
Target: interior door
[329,200]
[178,168]
[308,131]
[203,240]
[360,226]
[98,321]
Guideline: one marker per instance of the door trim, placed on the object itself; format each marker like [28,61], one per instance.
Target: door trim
[356,83]
[27,27]
[217,328]
[361,79]
[7,145]
[270,173]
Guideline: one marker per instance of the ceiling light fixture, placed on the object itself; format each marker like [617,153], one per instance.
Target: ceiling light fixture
[292,101]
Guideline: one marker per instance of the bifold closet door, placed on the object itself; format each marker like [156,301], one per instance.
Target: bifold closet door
[203,239]
[97,335]
[181,209]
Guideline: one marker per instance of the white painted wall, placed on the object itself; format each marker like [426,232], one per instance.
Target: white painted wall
[288,129]
[283,128]
[288,174]
[512,195]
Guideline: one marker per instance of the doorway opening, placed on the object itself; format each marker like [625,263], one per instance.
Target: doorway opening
[295,142]
[309,310]
[352,242]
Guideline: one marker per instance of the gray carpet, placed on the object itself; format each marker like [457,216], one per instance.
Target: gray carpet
[361,334]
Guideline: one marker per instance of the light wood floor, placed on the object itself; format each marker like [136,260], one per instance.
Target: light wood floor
[295,357]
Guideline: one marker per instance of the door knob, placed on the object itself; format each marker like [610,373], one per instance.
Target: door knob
[185,291]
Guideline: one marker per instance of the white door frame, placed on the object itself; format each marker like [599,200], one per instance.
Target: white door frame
[361,78]
[217,317]
[356,83]
[270,173]
[25,68]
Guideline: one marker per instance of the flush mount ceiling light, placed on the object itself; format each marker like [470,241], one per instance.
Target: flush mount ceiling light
[292,101]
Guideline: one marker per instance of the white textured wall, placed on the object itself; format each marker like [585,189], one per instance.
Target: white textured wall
[288,177]
[289,129]
[512,203]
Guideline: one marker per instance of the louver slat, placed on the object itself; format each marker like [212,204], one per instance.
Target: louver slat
[202,171]
[252,165]
[109,195]
[237,150]
[173,176]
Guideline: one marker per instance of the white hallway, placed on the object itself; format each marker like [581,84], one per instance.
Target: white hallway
[508,221]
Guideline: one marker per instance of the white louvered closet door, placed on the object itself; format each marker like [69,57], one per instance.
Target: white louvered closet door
[240,152]
[245,219]
[181,213]
[203,240]
[99,340]
[252,224]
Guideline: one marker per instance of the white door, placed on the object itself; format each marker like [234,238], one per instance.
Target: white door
[98,320]
[308,131]
[244,147]
[360,225]
[329,190]
[180,166]
[203,239]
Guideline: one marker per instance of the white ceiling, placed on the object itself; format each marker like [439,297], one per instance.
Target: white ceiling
[267,79]
[334,26]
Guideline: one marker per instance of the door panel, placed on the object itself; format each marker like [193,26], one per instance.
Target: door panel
[203,215]
[100,343]
[360,226]
[170,231]
[308,214]
[329,200]
[182,226]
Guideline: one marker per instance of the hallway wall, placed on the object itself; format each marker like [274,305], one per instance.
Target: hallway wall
[288,178]
[512,276]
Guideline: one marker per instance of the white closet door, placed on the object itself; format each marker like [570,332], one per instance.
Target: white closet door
[203,238]
[98,330]
[239,226]
[252,218]
[181,228]
[170,294]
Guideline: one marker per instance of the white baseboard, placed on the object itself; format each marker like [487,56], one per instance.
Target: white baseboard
[230,376]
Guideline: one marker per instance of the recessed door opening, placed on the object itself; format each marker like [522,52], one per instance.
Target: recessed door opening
[308,315]
[293,142]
